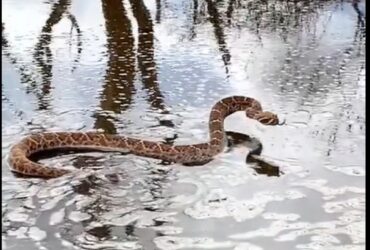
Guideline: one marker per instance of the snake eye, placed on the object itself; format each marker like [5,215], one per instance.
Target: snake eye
[269,120]
[264,120]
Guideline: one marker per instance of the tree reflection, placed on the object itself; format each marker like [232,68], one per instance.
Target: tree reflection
[216,21]
[195,20]
[118,89]
[118,85]
[119,82]
[145,55]
[25,77]
[360,15]
[230,10]
[42,53]
[75,26]
[158,11]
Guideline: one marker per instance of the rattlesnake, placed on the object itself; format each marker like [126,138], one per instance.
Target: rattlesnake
[194,154]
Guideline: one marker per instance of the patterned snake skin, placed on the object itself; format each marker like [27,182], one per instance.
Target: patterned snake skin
[186,154]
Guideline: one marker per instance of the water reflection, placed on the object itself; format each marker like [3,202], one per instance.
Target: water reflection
[301,59]
[42,53]
[195,20]
[74,25]
[230,10]
[25,77]
[216,21]
[118,85]
[158,11]
[283,17]
[360,14]
[145,55]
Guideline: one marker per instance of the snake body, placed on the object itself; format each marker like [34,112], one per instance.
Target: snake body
[186,154]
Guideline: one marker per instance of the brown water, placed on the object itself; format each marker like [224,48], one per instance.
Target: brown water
[153,69]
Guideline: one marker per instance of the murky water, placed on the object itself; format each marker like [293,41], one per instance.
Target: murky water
[153,69]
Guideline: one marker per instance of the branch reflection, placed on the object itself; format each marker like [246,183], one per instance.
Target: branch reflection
[119,78]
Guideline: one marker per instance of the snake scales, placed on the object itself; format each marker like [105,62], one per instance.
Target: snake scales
[186,154]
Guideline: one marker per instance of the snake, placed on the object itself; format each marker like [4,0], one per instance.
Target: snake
[188,155]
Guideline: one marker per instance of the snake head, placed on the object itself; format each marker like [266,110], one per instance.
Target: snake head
[267,118]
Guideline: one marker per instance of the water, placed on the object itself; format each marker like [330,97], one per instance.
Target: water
[153,69]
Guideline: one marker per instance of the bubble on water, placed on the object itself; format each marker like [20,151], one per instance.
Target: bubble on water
[325,238]
[275,228]
[316,245]
[172,243]
[351,216]
[284,217]
[328,192]
[240,210]
[87,241]
[356,231]
[351,171]
[327,230]
[294,194]
[340,206]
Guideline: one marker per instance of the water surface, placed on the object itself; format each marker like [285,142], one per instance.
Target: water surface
[153,69]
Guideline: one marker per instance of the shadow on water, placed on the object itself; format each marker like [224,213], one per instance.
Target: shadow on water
[260,165]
